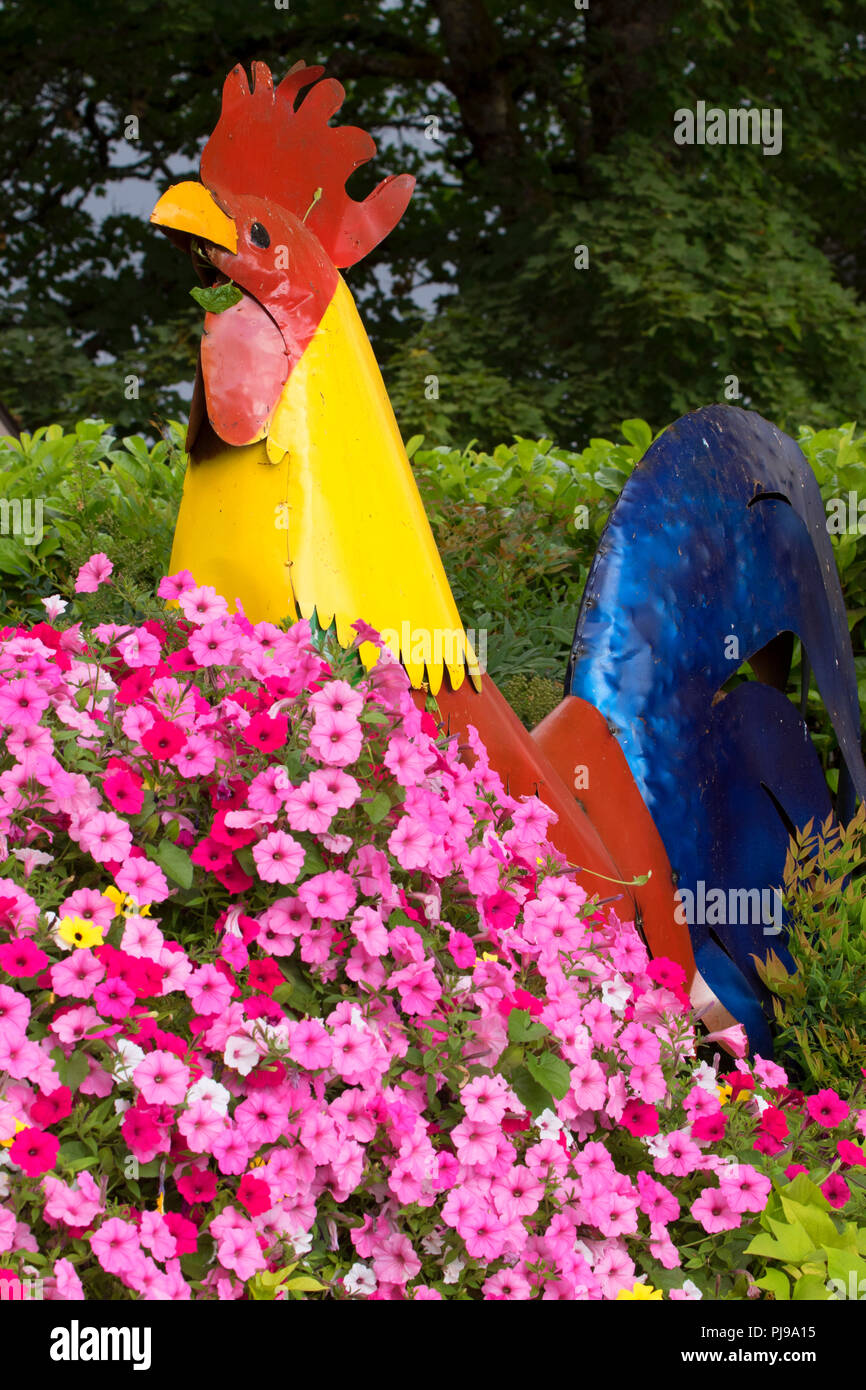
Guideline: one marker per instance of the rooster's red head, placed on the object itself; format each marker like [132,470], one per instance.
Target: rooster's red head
[272,216]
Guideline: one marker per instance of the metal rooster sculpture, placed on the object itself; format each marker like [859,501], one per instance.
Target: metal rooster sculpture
[299,500]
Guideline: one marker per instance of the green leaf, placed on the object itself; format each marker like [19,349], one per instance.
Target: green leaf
[215,299]
[378,808]
[815,1223]
[176,862]
[526,1088]
[195,1265]
[551,1073]
[313,862]
[776,1282]
[811,1288]
[638,433]
[375,716]
[72,1151]
[792,1245]
[521,1027]
[803,1190]
[849,1269]
[75,1165]
[75,1069]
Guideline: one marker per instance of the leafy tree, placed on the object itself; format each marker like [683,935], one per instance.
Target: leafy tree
[533,127]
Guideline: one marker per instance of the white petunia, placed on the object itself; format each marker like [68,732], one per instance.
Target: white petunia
[616,994]
[241,1053]
[548,1125]
[207,1089]
[128,1057]
[360,1279]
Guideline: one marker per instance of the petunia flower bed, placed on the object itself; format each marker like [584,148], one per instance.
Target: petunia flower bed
[296,1001]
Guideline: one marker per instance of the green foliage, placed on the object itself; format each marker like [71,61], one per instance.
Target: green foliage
[532,697]
[810,1254]
[838,459]
[820,1009]
[98,493]
[555,129]
[517,529]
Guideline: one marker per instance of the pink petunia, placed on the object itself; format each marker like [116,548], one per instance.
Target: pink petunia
[201,1125]
[171,586]
[14,1010]
[714,1211]
[310,1045]
[278,858]
[310,806]
[144,881]
[260,1119]
[331,895]
[116,1245]
[679,1155]
[336,738]
[744,1187]
[105,837]
[162,1078]
[238,1250]
[208,989]
[395,1261]
[95,571]
[411,843]
[202,604]
[90,906]
[22,701]
[231,1151]
[213,644]
[197,758]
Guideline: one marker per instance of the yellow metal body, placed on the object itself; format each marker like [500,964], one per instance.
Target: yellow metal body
[324,514]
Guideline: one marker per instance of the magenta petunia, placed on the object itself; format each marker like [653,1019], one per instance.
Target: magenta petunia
[35,1151]
[827,1109]
[22,959]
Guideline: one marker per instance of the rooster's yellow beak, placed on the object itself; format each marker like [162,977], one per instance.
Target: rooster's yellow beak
[189,207]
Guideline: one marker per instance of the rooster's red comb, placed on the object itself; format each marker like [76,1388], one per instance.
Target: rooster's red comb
[264,145]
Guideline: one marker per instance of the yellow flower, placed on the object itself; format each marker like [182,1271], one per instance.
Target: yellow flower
[125,903]
[7,1143]
[641,1293]
[79,933]
[160,1202]
[725,1093]
[488,955]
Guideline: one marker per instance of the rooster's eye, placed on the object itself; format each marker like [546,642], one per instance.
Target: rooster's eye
[258,235]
